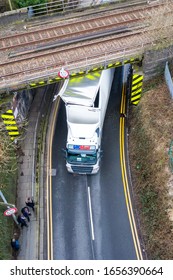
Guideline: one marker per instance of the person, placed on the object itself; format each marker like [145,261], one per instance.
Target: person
[30,202]
[15,247]
[26,213]
[15,244]
[123,115]
[22,221]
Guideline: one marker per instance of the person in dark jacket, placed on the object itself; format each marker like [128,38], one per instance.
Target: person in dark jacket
[26,213]
[15,244]
[30,202]
[22,221]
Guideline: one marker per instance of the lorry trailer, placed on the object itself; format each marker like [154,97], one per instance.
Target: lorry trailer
[86,100]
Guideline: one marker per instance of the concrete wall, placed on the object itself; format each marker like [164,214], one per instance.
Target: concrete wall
[21,103]
[154,61]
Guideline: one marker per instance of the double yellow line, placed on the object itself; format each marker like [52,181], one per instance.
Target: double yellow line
[125,180]
[49,182]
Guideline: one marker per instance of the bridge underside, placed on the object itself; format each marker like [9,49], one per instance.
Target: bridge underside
[46,78]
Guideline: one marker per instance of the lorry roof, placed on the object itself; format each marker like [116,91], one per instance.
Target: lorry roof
[82,121]
[82,90]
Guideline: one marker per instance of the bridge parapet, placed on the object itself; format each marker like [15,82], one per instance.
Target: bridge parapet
[47,76]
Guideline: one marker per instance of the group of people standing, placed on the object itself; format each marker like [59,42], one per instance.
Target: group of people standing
[22,219]
[25,212]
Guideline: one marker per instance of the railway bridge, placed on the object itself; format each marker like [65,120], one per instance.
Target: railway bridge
[33,52]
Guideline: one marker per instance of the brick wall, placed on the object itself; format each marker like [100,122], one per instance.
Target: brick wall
[154,61]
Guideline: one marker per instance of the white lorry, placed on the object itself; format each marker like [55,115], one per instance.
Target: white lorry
[86,100]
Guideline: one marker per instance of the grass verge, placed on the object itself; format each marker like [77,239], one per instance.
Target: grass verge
[8,186]
[150,134]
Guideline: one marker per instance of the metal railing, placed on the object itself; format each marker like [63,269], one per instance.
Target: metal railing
[47,73]
[170,153]
[63,6]
[83,64]
[168,79]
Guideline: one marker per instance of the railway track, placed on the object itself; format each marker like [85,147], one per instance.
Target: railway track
[72,54]
[63,30]
[74,42]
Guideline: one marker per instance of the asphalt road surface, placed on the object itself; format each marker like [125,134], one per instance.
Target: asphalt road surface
[90,219]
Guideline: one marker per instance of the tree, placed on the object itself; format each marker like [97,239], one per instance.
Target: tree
[26,3]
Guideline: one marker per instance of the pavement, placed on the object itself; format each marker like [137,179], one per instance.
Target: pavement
[31,241]
[31,238]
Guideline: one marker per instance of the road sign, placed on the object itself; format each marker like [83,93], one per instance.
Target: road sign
[10,211]
[63,73]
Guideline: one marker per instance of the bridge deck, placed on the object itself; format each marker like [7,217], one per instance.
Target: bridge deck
[34,53]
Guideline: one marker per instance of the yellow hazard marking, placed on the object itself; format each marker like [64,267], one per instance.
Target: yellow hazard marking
[135,102]
[137,80]
[137,97]
[97,74]
[83,72]
[136,90]
[95,69]
[116,64]
[137,86]
[9,122]
[13,132]
[91,77]
[76,79]
[111,65]
[9,111]
[7,116]
[126,61]
[11,127]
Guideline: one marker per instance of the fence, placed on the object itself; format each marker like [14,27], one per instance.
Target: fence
[116,56]
[63,6]
[170,153]
[169,82]
[168,79]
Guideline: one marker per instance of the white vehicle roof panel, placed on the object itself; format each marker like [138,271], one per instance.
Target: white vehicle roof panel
[82,90]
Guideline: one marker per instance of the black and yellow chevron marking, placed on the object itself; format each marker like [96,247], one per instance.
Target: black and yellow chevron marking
[94,69]
[136,90]
[10,124]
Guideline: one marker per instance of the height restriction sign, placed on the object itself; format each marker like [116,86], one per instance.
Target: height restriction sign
[63,73]
[10,211]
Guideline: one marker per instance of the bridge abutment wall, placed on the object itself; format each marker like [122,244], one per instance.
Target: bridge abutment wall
[155,60]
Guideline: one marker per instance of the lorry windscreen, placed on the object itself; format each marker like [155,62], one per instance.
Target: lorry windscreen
[81,158]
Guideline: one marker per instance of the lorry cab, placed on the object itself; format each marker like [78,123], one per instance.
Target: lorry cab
[82,159]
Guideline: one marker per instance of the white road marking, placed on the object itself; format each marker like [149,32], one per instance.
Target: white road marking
[91,218]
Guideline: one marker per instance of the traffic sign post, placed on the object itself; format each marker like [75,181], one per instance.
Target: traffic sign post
[10,211]
[64,74]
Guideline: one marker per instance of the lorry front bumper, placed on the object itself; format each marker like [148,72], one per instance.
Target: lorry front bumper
[78,169]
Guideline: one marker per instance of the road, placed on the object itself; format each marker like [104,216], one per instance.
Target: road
[90,219]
